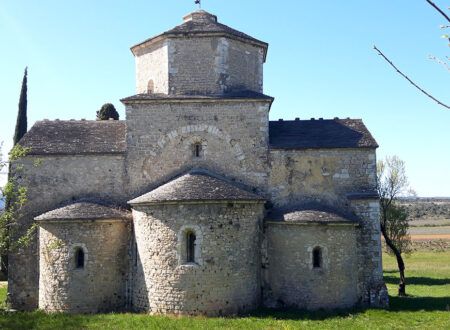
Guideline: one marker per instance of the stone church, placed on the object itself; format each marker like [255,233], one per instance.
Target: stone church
[196,203]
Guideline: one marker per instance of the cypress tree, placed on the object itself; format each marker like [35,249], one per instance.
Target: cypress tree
[21,124]
[21,129]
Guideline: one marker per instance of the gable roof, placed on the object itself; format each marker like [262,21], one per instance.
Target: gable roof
[84,211]
[196,187]
[306,134]
[203,27]
[61,137]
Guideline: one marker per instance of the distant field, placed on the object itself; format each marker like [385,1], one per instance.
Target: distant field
[428,275]
[429,230]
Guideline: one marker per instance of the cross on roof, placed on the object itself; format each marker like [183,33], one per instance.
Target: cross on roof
[199,3]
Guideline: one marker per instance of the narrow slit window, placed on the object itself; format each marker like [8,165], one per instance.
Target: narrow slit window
[317,257]
[79,258]
[197,150]
[190,247]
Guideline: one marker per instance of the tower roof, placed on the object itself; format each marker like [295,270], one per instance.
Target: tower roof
[196,187]
[202,24]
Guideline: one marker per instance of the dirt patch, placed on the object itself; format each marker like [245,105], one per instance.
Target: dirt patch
[426,237]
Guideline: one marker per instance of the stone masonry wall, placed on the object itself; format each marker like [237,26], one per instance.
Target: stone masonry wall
[161,138]
[226,276]
[212,65]
[54,180]
[152,63]
[98,287]
[322,176]
[289,277]
[372,287]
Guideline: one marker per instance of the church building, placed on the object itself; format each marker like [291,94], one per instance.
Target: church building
[197,203]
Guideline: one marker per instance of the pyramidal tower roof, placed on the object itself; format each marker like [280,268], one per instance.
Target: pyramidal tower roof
[200,23]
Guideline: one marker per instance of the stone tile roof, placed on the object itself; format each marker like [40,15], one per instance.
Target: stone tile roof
[238,95]
[207,25]
[84,211]
[194,187]
[313,216]
[75,137]
[363,195]
[305,134]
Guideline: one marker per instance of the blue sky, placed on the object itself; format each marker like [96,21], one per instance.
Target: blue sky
[320,64]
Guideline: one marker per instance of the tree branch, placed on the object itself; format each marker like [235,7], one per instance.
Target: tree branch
[407,78]
[432,4]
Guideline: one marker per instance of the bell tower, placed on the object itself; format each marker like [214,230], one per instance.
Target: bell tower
[199,105]
[200,57]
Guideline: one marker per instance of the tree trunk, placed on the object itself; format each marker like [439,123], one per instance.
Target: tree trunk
[400,263]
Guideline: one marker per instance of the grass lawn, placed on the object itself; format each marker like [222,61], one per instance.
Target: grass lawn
[426,308]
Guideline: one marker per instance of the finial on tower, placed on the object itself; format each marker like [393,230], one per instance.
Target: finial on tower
[199,3]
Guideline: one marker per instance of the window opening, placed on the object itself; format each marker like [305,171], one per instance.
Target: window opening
[150,87]
[197,150]
[317,257]
[190,247]
[79,258]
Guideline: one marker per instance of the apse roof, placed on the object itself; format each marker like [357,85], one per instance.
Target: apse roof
[195,187]
[84,211]
[312,216]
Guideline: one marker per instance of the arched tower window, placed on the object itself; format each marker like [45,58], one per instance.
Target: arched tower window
[317,257]
[197,150]
[150,87]
[79,258]
[190,246]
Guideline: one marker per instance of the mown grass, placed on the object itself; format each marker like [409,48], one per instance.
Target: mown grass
[425,308]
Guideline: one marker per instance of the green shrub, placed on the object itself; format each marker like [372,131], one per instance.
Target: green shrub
[107,111]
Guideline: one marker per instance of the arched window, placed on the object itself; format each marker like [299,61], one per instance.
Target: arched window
[197,150]
[79,258]
[317,257]
[150,87]
[190,246]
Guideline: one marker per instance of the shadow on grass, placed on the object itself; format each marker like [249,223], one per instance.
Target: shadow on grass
[35,320]
[397,304]
[418,280]
[293,314]
[412,303]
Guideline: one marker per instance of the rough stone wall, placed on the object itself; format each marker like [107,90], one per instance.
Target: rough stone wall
[226,276]
[161,136]
[152,63]
[289,277]
[55,180]
[322,176]
[326,176]
[372,287]
[212,65]
[98,287]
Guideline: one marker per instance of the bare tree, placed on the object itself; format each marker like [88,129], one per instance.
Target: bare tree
[444,63]
[392,183]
